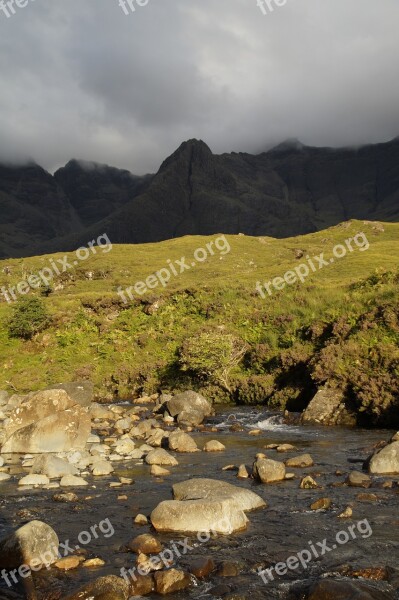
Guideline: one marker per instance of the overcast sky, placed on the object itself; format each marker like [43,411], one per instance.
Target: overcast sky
[80,79]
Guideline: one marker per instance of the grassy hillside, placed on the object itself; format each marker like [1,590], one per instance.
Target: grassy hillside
[340,326]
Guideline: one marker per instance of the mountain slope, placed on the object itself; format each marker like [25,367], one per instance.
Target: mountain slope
[340,327]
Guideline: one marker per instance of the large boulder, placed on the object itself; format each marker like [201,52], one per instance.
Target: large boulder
[189,408]
[328,407]
[385,461]
[47,421]
[206,505]
[81,392]
[36,544]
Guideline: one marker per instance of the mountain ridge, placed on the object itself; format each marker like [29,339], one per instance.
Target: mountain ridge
[291,189]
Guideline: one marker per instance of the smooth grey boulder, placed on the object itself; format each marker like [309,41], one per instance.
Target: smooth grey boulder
[190,408]
[206,505]
[36,544]
[385,461]
[269,471]
[182,442]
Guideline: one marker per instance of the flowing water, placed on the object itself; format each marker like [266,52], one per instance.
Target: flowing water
[283,529]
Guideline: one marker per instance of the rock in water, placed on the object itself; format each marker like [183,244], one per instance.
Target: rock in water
[298,462]
[190,408]
[110,587]
[160,457]
[35,543]
[357,479]
[174,580]
[52,466]
[214,446]
[205,505]
[182,442]
[385,461]
[328,407]
[269,471]
[47,421]
[328,589]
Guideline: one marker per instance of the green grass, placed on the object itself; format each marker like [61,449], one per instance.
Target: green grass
[127,351]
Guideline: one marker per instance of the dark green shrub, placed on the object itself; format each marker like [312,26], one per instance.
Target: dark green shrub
[29,317]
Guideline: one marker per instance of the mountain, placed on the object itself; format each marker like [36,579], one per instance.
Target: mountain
[95,191]
[290,190]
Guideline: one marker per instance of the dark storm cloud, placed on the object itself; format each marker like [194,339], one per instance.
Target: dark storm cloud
[82,79]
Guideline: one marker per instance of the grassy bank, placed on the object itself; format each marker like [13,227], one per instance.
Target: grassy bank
[210,329]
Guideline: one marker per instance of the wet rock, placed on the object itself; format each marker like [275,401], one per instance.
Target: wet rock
[321,504]
[205,505]
[124,447]
[182,442]
[157,471]
[286,448]
[110,587]
[385,461]
[72,481]
[214,446]
[357,479]
[328,589]
[328,407]
[146,565]
[36,543]
[52,466]
[142,585]
[300,462]
[308,483]
[230,568]
[67,563]
[174,580]
[101,468]
[34,480]
[219,590]
[371,573]
[155,437]
[93,562]
[65,497]
[160,457]
[242,472]
[269,471]
[367,497]
[346,514]
[141,519]
[202,567]
[146,544]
